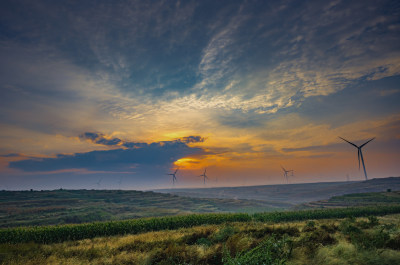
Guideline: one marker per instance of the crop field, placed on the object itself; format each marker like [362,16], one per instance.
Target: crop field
[363,240]
[51,234]
[367,234]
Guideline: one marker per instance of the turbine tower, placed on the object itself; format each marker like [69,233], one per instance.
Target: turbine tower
[204,176]
[173,176]
[285,173]
[360,155]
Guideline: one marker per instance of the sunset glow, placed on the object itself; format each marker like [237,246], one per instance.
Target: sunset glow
[137,89]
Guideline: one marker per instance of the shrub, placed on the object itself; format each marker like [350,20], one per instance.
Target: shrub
[370,239]
[394,243]
[204,242]
[313,240]
[269,252]
[310,226]
[223,234]
[193,238]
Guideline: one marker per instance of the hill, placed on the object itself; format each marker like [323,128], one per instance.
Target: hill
[356,199]
[292,194]
[27,208]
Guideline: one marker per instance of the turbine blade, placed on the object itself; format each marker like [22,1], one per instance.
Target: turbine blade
[176,170]
[348,142]
[359,158]
[366,142]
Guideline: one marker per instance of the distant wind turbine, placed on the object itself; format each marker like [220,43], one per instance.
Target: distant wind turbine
[204,176]
[119,182]
[98,182]
[285,173]
[360,155]
[173,176]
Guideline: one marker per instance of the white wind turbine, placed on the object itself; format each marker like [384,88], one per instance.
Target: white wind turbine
[360,155]
[204,176]
[173,176]
[285,173]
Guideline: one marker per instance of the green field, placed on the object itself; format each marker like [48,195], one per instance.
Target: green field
[51,234]
[28,208]
[62,227]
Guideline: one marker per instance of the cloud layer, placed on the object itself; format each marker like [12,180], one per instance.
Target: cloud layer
[260,80]
[132,159]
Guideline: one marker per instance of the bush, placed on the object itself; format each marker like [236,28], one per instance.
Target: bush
[394,243]
[204,242]
[310,226]
[370,239]
[313,240]
[223,234]
[269,252]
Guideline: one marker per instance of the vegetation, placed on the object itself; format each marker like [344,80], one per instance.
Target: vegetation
[355,235]
[372,240]
[51,234]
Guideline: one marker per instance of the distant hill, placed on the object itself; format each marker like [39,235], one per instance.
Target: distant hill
[27,208]
[355,200]
[291,193]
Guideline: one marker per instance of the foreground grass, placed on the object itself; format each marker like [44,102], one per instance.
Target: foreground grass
[52,234]
[329,241]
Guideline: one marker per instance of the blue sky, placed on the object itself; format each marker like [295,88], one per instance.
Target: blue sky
[252,79]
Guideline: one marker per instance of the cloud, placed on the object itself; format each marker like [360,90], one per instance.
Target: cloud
[192,139]
[11,155]
[157,154]
[99,138]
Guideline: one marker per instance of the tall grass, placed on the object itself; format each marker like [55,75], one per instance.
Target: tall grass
[53,234]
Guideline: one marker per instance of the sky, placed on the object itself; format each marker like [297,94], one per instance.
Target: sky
[118,94]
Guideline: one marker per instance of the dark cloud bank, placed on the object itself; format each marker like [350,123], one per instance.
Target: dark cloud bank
[131,157]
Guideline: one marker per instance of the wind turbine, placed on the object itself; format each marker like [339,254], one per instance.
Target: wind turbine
[285,173]
[204,176]
[119,182]
[98,182]
[360,155]
[173,176]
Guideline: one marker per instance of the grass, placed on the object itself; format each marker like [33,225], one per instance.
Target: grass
[327,241]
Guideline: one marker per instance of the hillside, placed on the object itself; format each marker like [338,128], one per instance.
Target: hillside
[291,193]
[356,199]
[25,208]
